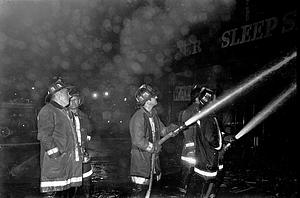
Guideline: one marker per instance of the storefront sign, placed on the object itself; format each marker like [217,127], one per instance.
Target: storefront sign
[188,48]
[182,93]
[259,30]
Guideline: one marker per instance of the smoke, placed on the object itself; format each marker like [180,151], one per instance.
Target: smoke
[89,43]
[150,36]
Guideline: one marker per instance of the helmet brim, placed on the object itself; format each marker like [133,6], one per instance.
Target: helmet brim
[49,95]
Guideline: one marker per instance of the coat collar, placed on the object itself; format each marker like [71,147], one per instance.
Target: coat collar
[195,106]
[55,104]
[149,114]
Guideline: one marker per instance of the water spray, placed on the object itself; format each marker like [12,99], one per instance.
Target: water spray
[263,114]
[231,95]
[270,108]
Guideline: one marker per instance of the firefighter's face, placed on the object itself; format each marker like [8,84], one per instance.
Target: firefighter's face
[64,97]
[75,102]
[153,100]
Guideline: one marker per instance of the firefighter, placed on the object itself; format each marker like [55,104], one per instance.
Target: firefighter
[146,128]
[83,130]
[60,154]
[202,143]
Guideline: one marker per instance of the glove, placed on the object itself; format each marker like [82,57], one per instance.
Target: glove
[156,147]
[229,138]
[86,157]
[173,127]
[55,155]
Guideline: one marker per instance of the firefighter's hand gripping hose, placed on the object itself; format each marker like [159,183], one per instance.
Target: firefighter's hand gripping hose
[172,134]
[156,147]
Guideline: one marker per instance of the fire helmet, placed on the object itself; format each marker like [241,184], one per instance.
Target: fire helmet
[204,94]
[195,92]
[56,87]
[75,95]
[145,92]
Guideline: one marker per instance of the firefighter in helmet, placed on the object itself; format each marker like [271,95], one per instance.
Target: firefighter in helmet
[61,158]
[146,128]
[202,141]
[83,130]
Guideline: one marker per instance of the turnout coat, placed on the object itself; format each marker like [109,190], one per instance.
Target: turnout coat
[61,157]
[85,130]
[202,142]
[142,141]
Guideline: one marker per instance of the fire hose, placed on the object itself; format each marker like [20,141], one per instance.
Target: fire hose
[151,175]
[229,97]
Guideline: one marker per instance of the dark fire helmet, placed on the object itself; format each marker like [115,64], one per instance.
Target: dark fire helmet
[145,92]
